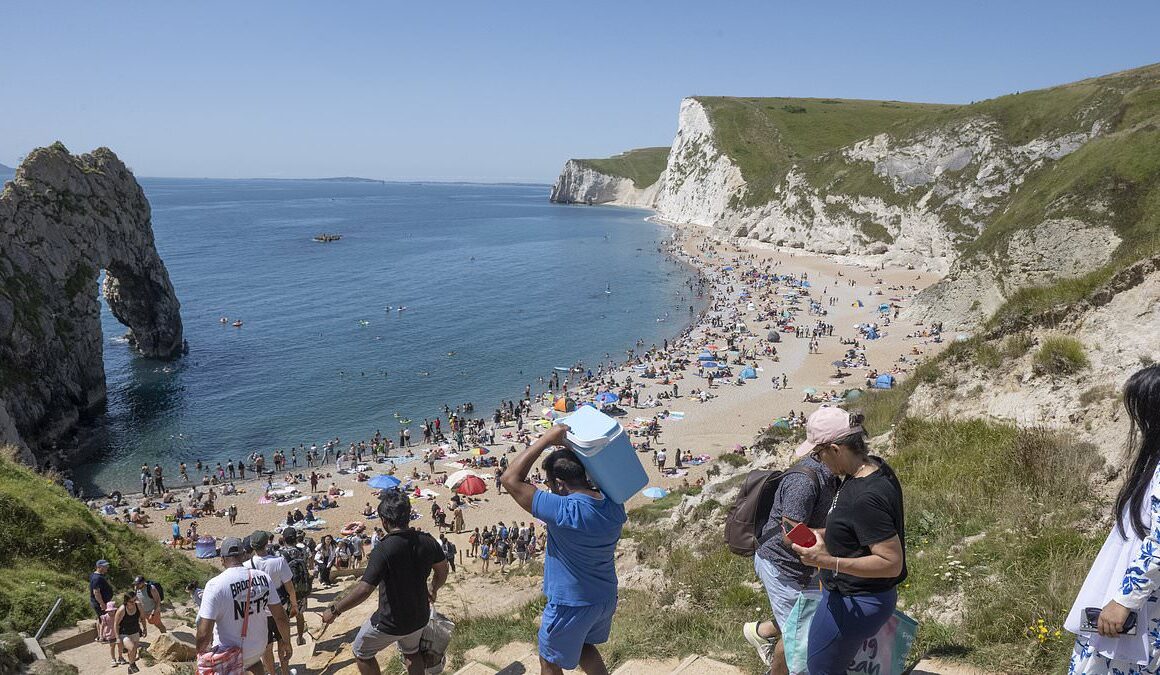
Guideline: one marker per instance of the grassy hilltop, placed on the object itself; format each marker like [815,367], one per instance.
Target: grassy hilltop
[642,166]
[50,543]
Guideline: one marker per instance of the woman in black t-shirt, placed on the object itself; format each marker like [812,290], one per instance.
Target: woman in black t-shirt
[861,551]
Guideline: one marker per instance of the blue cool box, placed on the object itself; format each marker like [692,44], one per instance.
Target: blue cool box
[606,453]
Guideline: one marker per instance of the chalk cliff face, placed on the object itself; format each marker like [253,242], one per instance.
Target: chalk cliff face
[1025,190]
[64,219]
[581,184]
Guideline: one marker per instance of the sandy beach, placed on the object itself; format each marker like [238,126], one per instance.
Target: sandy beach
[731,418]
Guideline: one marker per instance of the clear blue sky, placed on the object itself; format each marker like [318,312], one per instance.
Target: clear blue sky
[497,90]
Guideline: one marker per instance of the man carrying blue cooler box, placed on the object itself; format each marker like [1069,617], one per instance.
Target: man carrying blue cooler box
[579,566]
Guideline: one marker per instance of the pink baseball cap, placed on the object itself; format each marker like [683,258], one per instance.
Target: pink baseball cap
[826,425]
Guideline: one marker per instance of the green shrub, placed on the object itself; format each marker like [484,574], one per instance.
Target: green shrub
[1060,355]
[1015,346]
[732,459]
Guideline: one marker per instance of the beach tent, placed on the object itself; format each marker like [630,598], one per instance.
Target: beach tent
[781,423]
[458,477]
[749,374]
[884,308]
[774,336]
[872,334]
[565,404]
[206,547]
[654,492]
[706,357]
[606,397]
[471,486]
[383,482]
[884,381]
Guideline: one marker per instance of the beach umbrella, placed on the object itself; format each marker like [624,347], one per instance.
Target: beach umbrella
[706,357]
[809,390]
[478,452]
[384,482]
[471,486]
[852,394]
[712,348]
[654,492]
[606,397]
[457,478]
[709,364]
[565,404]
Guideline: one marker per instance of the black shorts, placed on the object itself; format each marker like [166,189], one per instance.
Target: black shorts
[272,634]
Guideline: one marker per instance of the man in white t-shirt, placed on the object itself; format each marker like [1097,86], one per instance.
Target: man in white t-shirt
[282,588]
[234,607]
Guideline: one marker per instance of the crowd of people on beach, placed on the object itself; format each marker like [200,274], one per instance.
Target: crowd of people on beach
[752,306]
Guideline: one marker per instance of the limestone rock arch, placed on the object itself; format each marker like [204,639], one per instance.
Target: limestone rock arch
[64,219]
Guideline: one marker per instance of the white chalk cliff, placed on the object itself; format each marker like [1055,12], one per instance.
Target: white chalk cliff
[919,191]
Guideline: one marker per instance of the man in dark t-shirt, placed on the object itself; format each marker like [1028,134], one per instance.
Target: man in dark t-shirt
[398,567]
[100,590]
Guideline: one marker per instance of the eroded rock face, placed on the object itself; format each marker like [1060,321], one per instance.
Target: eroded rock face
[63,219]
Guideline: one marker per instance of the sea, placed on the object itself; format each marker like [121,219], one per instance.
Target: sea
[499,287]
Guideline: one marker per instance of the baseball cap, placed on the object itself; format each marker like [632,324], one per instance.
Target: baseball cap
[139,579]
[102,563]
[826,425]
[232,547]
[259,539]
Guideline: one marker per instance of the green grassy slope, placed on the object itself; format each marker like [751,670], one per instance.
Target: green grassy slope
[767,136]
[50,543]
[642,166]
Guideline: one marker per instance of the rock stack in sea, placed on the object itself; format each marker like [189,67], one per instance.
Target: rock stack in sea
[64,219]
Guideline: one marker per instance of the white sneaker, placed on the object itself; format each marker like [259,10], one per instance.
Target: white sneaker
[764,646]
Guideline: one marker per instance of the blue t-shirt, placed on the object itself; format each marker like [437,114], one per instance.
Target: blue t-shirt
[579,563]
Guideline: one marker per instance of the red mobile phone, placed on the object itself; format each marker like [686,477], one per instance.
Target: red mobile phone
[802,536]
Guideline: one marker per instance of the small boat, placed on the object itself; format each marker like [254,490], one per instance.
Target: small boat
[327,238]
[608,289]
[237,324]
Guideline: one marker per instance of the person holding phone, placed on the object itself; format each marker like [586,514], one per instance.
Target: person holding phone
[800,502]
[1114,615]
[861,551]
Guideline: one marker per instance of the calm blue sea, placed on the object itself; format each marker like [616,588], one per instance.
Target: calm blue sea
[500,286]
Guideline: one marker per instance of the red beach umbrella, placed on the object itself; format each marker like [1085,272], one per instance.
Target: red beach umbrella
[471,486]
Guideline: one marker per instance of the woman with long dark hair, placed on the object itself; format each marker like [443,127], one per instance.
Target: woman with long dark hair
[1114,617]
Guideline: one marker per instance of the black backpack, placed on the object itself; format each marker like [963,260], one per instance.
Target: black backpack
[750,510]
[160,590]
[299,575]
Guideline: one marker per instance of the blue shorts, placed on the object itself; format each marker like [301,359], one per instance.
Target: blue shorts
[564,630]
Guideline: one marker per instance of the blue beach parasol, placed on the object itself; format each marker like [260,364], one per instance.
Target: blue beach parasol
[654,492]
[384,482]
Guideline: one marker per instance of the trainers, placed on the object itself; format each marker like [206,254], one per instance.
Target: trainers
[116,663]
[764,646]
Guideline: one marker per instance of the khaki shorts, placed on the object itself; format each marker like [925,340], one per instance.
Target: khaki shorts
[370,641]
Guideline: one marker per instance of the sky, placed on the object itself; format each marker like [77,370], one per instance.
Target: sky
[497,91]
